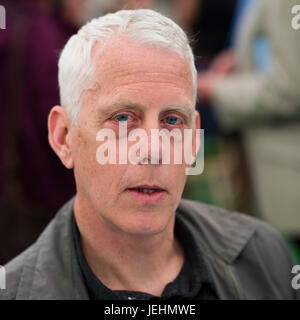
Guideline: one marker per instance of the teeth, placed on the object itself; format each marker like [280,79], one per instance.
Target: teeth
[149,191]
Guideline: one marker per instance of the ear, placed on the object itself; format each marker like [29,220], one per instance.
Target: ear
[59,126]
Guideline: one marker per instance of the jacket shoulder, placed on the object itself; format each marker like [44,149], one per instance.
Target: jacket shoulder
[234,230]
[256,252]
[266,259]
[20,272]
[13,273]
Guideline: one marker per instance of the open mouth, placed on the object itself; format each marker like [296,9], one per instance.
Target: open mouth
[147,189]
[146,193]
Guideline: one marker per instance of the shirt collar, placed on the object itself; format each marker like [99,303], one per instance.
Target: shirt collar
[193,275]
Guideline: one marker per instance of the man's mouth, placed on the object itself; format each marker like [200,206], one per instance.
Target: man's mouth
[147,189]
[147,193]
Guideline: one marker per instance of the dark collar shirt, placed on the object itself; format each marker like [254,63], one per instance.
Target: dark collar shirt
[193,281]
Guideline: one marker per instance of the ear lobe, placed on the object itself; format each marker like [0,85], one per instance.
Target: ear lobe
[58,133]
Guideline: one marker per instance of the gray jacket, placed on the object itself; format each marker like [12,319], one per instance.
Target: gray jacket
[247,258]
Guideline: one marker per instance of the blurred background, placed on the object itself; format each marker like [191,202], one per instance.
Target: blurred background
[247,57]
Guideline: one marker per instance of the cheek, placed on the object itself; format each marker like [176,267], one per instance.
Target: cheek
[84,157]
[179,177]
[176,177]
[83,151]
[100,183]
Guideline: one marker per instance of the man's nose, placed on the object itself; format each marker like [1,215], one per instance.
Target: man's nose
[154,151]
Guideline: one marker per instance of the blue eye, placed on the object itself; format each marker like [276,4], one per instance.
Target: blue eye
[172,120]
[122,117]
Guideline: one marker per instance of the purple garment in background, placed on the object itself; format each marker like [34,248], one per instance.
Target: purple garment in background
[44,178]
[44,181]
[54,184]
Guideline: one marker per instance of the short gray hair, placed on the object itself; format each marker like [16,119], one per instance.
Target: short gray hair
[76,72]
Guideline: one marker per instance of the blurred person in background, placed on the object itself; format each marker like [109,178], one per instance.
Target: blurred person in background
[255,89]
[33,183]
[208,23]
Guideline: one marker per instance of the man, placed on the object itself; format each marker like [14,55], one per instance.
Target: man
[127,234]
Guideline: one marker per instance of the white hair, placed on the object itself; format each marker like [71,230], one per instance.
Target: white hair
[76,72]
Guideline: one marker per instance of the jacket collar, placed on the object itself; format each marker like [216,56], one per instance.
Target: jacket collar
[220,233]
[50,269]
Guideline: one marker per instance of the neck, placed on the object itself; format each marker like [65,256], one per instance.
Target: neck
[125,261]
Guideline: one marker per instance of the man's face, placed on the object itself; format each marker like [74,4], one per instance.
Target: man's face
[151,88]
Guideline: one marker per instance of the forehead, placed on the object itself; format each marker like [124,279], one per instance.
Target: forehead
[125,62]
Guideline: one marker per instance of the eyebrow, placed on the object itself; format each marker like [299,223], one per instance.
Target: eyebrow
[185,110]
[113,107]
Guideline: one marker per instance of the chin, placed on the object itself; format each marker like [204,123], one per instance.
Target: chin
[145,226]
